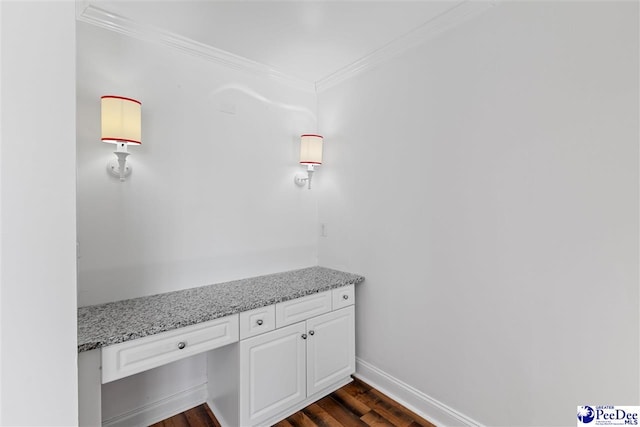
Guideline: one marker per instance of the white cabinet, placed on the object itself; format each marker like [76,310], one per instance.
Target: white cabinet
[331,349]
[283,368]
[272,373]
[262,365]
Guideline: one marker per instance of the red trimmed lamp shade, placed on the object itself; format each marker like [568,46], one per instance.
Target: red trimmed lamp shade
[311,149]
[121,120]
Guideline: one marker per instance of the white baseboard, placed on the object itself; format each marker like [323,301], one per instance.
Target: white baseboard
[161,409]
[427,407]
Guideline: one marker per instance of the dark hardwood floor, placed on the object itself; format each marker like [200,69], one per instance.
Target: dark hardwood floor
[356,404]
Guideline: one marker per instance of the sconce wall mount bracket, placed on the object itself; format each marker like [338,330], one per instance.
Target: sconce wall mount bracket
[301,179]
[119,167]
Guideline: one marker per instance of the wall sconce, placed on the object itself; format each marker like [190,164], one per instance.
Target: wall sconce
[121,125]
[310,155]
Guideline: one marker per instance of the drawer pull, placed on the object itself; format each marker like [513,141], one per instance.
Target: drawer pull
[259,322]
[181,345]
[345,296]
[304,336]
[311,332]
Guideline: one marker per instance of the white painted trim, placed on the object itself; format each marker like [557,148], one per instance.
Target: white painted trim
[87,12]
[91,14]
[161,409]
[2,285]
[426,406]
[448,19]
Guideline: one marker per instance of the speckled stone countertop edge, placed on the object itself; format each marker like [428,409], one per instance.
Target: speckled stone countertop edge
[306,281]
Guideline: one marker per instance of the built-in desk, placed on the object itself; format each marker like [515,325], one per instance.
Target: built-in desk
[297,324]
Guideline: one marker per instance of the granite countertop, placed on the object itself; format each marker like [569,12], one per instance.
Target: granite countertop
[120,321]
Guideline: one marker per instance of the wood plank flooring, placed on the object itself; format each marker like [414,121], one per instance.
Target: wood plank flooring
[356,404]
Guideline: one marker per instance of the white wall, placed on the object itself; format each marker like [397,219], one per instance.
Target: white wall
[1,138]
[37,214]
[211,197]
[486,184]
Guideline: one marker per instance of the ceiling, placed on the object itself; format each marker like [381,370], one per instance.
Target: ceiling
[308,40]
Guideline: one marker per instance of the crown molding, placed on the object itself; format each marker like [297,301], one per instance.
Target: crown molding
[90,14]
[450,18]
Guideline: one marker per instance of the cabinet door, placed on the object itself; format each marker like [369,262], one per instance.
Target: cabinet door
[331,354]
[272,373]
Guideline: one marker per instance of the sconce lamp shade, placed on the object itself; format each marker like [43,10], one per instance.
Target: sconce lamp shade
[311,149]
[121,122]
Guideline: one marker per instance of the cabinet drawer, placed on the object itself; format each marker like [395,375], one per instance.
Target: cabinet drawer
[343,297]
[300,309]
[131,357]
[257,321]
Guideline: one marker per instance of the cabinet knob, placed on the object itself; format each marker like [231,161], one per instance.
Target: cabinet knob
[345,296]
[181,345]
[259,322]
[311,332]
[304,336]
